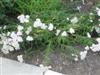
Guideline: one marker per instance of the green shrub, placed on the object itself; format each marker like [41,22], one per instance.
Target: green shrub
[8,11]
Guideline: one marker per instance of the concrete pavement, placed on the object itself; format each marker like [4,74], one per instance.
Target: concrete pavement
[10,67]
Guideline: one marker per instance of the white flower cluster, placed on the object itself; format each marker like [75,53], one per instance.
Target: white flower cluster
[23,18]
[39,24]
[10,41]
[74,20]
[76,58]
[45,67]
[20,58]
[64,33]
[50,27]
[83,54]
[96,47]
[29,38]
[57,32]
[71,30]
[29,29]
[88,35]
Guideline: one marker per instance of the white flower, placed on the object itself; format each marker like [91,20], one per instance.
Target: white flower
[6,48]
[95,47]
[76,59]
[16,37]
[67,19]
[43,26]
[5,51]
[97,29]
[23,19]
[19,33]
[88,35]
[14,40]
[19,28]
[10,48]
[8,33]
[45,67]
[38,20]
[73,54]
[64,33]
[57,32]
[97,8]
[41,65]
[29,29]
[5,27]
[10,43]
[27,16]
[19,39]
[79,8]
[49,67]
[91,21]
[27,32]
[98,11]
[74,20]
[91,13]
[13,35]
[98,40]
[29,38]
[83,55]
[71,30]
[51,27]
[87,48]
[15,44]
[37,23]
[20,58]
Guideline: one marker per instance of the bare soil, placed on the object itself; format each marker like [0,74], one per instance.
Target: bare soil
[89,66]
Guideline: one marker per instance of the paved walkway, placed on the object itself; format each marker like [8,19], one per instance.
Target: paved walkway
[10,67]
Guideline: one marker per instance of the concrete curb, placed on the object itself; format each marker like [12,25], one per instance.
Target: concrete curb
[10,67]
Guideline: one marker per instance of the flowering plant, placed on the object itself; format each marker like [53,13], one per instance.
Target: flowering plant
[29,35]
